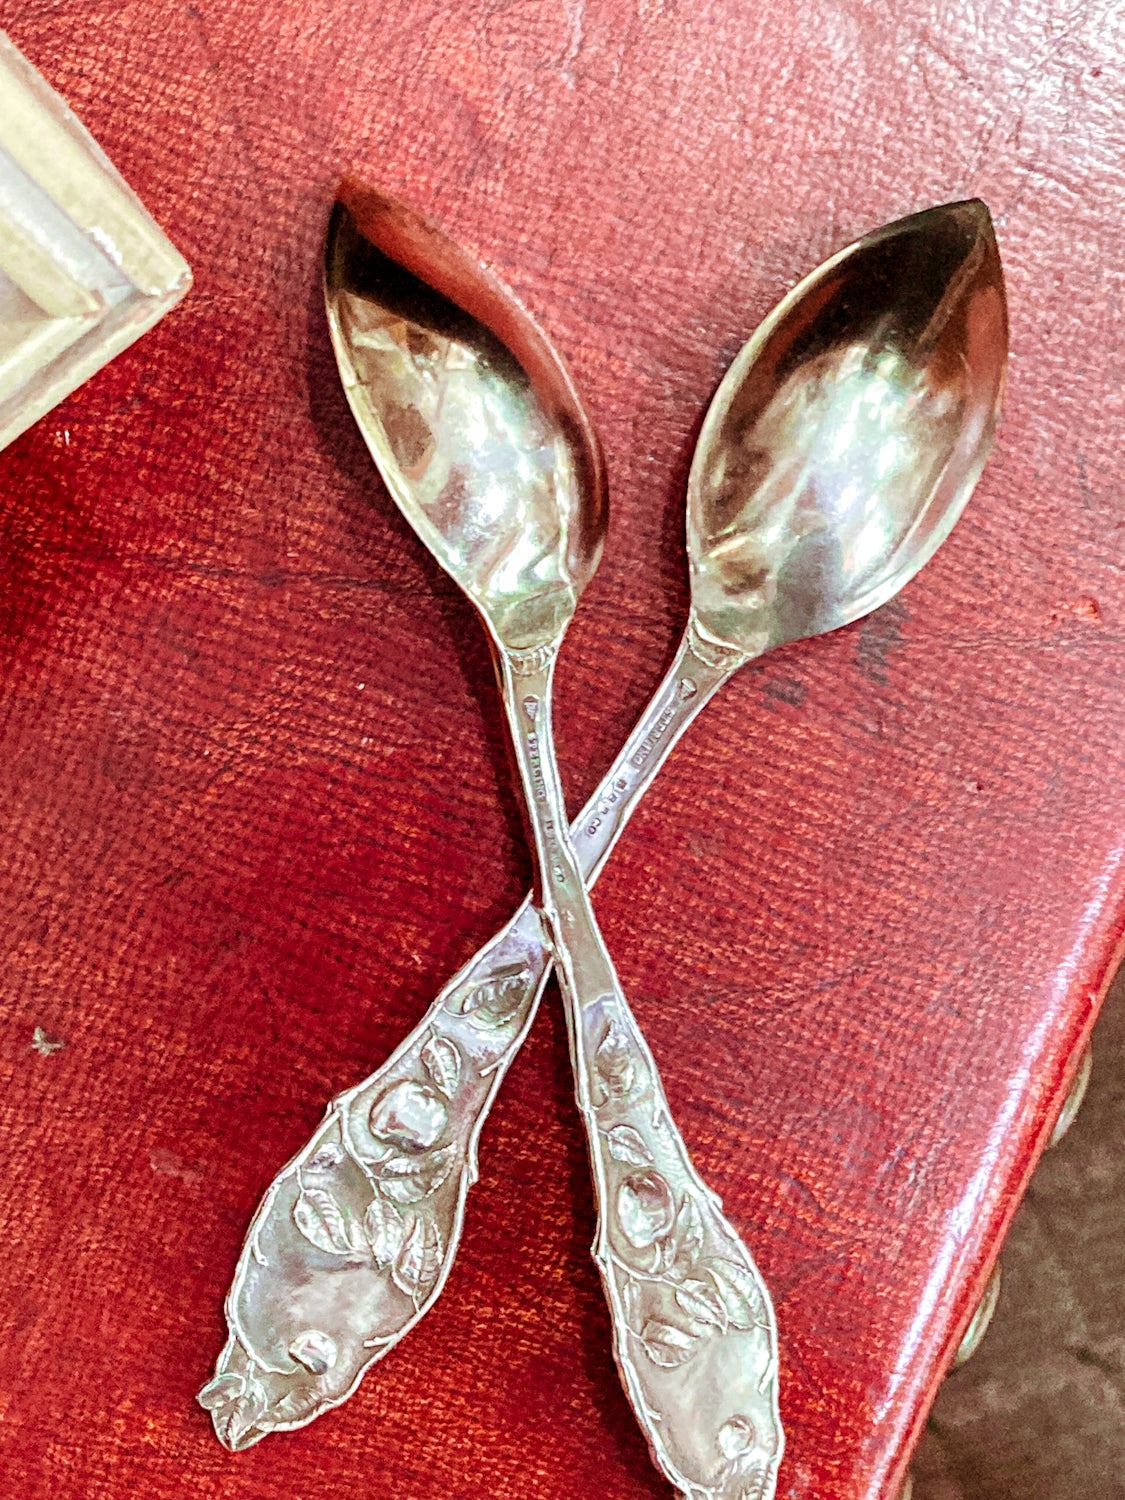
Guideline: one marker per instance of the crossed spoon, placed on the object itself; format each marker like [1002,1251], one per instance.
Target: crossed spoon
[836,456]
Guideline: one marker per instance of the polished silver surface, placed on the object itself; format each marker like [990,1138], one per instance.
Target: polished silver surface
[694,1333]
[495,480]
[318,1264]
[1075,1096]
[485,461]
[850,431]
[973,1336]
[294,1278]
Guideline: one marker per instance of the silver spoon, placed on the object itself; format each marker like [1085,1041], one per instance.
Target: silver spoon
[851,430]
[490,460]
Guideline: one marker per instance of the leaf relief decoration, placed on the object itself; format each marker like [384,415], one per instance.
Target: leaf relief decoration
[703,1304]
[664,1259]
[627,1145]
[409,1179]
[688,1233]
[221,1391]
[491,1004]
[749,1484]
[296,1404]
[715,1296]
[385,1230]
[418,1264]
[443,1063]
[326,1159]
[247,1409]
[614,1062]
[666,1344]
[741,1295]
[321,1220]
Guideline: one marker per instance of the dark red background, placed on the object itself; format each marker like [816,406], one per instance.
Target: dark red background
[254,802]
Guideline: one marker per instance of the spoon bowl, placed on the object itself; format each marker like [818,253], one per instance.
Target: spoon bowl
[472,418]
[846,438]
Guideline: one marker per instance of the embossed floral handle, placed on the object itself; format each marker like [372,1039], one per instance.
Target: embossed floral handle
[355,1237]
[694,1333]
[693,1325]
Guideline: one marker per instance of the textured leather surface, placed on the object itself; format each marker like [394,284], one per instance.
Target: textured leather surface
[254,800]
[1037,1411]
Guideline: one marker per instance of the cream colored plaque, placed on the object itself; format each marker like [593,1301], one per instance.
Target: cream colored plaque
[84,269]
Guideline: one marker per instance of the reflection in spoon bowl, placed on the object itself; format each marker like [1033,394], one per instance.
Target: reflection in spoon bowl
[488,463]
[849,432]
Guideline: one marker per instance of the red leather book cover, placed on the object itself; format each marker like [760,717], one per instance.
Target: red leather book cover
[255,806]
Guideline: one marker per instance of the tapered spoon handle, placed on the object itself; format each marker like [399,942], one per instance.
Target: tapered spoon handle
[694,1333]
[354,1238]
[700,668]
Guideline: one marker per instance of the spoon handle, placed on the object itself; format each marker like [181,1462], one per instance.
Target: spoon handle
[694,1333]
[318,1217]
[700,668]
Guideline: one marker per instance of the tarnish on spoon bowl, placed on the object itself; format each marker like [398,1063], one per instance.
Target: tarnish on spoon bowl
[473,420]
[847,436]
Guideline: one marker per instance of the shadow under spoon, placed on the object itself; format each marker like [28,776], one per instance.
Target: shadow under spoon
[836,456]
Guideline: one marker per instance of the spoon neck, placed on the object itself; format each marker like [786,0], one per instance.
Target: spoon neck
[560,893]
[698,670]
